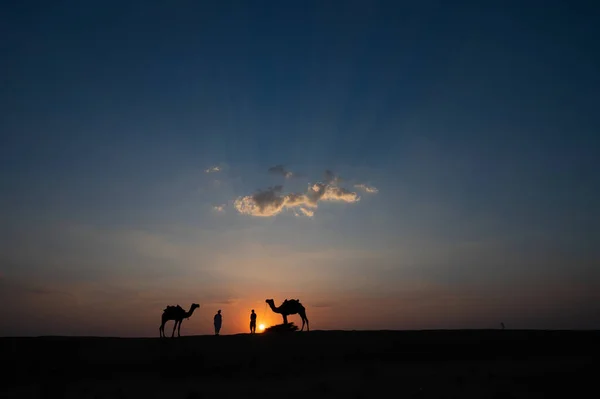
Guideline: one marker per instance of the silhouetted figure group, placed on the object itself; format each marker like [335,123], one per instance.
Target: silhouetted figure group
[288,307]
[218,321]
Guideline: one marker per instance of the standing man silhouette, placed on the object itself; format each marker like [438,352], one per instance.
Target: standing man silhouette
[252,322]
[218,321]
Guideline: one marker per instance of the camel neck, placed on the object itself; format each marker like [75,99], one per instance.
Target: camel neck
[273,308]
[189,312]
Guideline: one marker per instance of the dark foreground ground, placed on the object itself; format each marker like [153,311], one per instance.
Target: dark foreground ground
[347,364]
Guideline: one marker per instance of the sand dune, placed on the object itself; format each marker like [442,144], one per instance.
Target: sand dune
[436,364]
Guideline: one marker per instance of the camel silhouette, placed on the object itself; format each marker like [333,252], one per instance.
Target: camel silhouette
[175,313]
[289,307]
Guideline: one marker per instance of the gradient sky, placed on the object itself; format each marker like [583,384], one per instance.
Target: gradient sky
[421,165]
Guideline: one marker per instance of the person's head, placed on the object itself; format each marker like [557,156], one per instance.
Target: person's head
[252,310]
[219,311]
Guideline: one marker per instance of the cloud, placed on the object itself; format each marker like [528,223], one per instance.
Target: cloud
[219,208]
[263,203]
[327,192]
[331,178]
[280,170]
[213,169]
[271,202]
[368,189]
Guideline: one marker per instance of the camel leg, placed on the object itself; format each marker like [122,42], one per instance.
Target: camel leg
[284,318]
[174,327]
[304,320]
[160,330]
[178,329]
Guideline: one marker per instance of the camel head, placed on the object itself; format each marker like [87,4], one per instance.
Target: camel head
[270,301]
[192,308]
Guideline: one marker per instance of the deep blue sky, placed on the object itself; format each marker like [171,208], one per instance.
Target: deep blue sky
[478,125]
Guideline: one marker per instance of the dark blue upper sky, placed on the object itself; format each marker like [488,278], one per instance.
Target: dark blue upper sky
[111,111]
[143,91]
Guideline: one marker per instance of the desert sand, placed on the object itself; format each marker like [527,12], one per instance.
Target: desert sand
[317,364]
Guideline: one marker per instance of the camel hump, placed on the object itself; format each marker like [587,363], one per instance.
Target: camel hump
[171,307]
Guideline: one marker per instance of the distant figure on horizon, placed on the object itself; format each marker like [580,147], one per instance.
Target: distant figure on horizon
[218,321]
[252,322]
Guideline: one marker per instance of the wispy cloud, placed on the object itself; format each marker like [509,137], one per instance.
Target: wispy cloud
[271,202]
[221,301]
[331,178]
[213,169]
[24,287]
[305,212]
[322,304]
[280,170]
[368,189]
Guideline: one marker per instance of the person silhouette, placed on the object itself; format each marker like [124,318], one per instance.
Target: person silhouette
[252,322]
[218,321]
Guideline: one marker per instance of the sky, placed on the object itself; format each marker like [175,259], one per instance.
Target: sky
[393,165]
